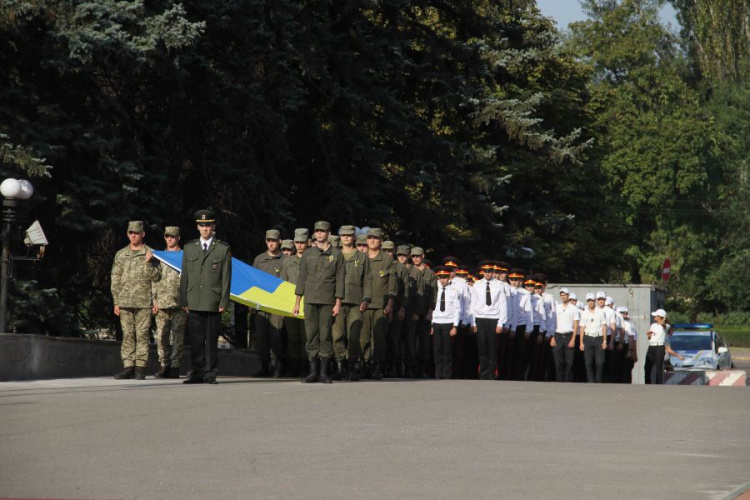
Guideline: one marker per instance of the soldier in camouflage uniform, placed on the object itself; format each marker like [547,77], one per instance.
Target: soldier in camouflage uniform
[295,328]
[268,326]
[375,328]
[133,271]
[170,317]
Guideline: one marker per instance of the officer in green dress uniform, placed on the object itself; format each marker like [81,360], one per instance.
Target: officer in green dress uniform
[204,294]
[321,283]
[347,327]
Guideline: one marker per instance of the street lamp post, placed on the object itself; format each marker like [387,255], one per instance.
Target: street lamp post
[15,193]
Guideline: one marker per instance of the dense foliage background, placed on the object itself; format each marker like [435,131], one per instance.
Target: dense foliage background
[470,127]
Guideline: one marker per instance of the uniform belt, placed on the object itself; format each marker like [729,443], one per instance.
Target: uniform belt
[595,336]
[656,345]
[563,333]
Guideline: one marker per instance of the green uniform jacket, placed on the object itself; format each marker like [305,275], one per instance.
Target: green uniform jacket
[403,294]
[422,299]
[270,264]
[290,268]
[383,280]
[166,291]
[358,284]
[132,277]
[321,276]
[206,276]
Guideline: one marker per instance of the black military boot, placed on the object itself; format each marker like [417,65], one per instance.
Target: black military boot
[409,372]
[393,371]
[420,374]
[354,369]
[313,376]
[324,378]
[377,373]
[292,368]
[340,370]
[276,369]
[127,373]
[163,373]
[140,373]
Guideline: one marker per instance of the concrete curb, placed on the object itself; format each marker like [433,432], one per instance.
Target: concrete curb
[30,357]
[739,492]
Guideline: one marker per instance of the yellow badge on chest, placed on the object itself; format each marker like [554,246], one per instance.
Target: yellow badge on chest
[330,258]
[382,273]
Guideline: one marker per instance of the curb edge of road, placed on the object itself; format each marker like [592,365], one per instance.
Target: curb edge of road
[738,492]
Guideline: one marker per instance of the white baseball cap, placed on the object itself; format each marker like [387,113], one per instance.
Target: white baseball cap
[564,290]
[659,312]
[601,295]
[610,301]
[589,296]
[622,309]
[573,296]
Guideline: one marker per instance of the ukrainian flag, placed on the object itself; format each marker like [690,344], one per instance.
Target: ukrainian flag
[251,287]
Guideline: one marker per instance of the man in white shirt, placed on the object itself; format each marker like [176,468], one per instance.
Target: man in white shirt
[505,341]
[445,319]
[593,331]
[563,342]
[609,318]
[523,322]
[489,312]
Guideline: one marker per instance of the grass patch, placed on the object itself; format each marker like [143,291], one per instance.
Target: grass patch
[735,336]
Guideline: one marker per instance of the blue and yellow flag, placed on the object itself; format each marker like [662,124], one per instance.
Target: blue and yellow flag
[251,287]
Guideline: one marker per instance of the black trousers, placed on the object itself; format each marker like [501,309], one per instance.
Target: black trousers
[417,340]
[204,338]
[268,335]
[520,353]
[487,347]
[594,356]
[505,355]
[655,364]
[535,350]
[441,342]
[564,357]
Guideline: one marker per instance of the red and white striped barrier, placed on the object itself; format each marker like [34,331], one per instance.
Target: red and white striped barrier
[721,378]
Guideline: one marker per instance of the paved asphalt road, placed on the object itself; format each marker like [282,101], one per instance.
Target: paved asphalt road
[252,438]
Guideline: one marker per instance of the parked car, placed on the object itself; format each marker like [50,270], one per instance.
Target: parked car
[702,347]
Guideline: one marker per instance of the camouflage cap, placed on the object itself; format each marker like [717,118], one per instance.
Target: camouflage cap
[388,245]
[402,250]
[287,245]
[273,234]
[361,239]
[205,216]
[375,232]
[347,231]
[322,225]
[301,235]
[171,231]
[417,251]
[135,226]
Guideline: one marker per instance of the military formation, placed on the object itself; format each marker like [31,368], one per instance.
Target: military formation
[372,309]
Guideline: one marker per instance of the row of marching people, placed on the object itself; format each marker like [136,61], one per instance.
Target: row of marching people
[373,309]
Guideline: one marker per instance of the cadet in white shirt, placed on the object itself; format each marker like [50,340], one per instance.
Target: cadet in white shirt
[445,319]
[504,341]
[564,341]
[609,318]
[630,346]
[523,323]
[593,329]
[618,352]
[539,333]
[489,311]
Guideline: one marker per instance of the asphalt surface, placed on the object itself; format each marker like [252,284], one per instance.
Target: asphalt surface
[254,438]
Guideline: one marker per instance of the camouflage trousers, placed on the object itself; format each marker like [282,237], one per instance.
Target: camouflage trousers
[170,330]
[135,323]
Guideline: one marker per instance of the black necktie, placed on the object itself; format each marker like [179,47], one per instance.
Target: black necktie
[488,298]
[442,301]
[205,247]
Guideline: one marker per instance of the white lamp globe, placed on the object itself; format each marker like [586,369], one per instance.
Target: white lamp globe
[26,189]
[10,188]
